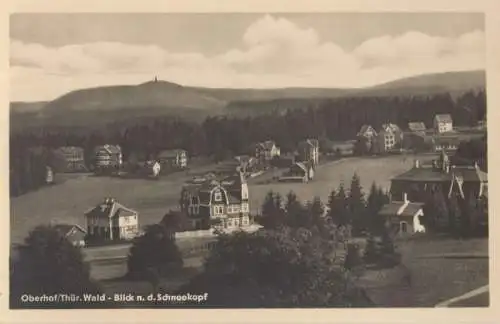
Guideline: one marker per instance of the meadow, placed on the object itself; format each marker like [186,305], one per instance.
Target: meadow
[67,202]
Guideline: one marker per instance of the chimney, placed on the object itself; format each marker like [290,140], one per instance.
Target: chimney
[476,166]
[417,164]
[405,197]
[447,169]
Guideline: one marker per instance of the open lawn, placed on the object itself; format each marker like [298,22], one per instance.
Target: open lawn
[66,202]
[328,176]
[440,268]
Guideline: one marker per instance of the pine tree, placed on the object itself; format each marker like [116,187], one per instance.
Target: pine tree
[455,216]
[441,212]
[316,210]
[294,211]
[272,212]
[356,205]
[471,216]
[340,213]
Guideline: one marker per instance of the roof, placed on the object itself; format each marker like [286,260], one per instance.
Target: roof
[390,128]
[267,145]
[423,174]
[309,142]
[444,118]
[401,208]
[365,128]
[70,150]
[170,153]
[111,149]
[470,173]
[446,140]
[110,209]
[416,126]
[66,229]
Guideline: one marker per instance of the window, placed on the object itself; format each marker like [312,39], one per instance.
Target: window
[236,222]
[218,196]
[229,222]
[404,227]
[218,210]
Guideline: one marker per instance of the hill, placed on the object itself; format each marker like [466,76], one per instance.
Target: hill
[162,98]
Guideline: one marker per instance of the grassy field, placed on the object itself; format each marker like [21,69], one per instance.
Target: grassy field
[67,202]
[441,268]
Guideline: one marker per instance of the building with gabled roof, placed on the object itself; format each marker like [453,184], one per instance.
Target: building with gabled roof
[176,158]
[218,201]
[417,127]
[108,158]
[308,151]
[443,123]
[266,151]
[403,217]
[73,233]
[111,220]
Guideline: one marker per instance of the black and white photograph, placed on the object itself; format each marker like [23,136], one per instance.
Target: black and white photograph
[232,160]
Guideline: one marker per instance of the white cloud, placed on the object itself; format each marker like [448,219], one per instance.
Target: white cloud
[274,53]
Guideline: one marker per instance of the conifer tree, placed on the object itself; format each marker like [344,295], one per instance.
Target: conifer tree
[356,205]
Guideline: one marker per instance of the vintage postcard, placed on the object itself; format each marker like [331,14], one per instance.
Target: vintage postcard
[282,159]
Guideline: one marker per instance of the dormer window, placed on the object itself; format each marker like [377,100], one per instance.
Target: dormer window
[218,196]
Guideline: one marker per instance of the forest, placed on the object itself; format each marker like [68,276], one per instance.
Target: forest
[223,136]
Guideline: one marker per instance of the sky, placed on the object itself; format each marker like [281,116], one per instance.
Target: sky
[52,54]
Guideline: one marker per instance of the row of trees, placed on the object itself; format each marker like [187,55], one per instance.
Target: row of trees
[344,209]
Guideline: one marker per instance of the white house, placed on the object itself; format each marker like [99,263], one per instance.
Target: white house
[403,217]
[111,220]
[443,123]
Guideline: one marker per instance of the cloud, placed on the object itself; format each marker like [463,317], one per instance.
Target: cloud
[274,52]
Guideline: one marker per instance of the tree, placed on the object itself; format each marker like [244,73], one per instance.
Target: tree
[456,218]
[154,251]
[441,211]
[274,268]
[338,209]
[47,263]
[273,215]
[294,211]
[376,199]
[356,203]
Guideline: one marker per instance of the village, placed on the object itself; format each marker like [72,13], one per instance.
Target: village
[203,201]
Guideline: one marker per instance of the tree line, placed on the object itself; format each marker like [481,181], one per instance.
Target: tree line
[221,137]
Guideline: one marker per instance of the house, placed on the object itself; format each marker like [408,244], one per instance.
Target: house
[173,159]
[367,134]
[443,123]
[421,179]
[299,171]
[266,151]
[448,143]
[403,217]
[308,151]
[417,127]
[108,158]
[217,203]
[73,158]
[73,233]
[110,220]
[416,141]
[389,138]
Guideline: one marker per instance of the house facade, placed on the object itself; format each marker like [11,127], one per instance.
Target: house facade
[389,138]
[73,158]
[420,180]
[308,151]
[108,158]
[217,203]
[403,217]
[73,233]
[266,151]
[447,143]
[443,123]
[176,159]
[110,220]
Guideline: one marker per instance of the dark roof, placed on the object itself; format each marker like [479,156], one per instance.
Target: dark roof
[110,210]
[364,129]
[400,208]
[445,118]
[170,153]
[65,229]
[455,140]
[267,145]
[470,173]
[416,126]
[423,174]
[111,149]
[70,150]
